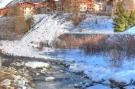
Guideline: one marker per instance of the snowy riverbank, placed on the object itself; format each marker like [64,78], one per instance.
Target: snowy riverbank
[99,67]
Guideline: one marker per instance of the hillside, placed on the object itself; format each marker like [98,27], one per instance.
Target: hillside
[114,66]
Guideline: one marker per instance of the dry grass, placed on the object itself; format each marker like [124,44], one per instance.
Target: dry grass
[93,43]
[72,41]
[116,46]
[67,41]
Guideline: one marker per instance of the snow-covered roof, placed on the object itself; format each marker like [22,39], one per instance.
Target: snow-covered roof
[3,3]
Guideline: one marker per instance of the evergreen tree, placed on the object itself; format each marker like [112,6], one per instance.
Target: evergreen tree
[131,19]
[120,21]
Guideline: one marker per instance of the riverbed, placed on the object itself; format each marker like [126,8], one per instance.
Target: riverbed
[56,76]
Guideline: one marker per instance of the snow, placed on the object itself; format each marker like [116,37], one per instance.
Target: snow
[21,81]
[99,86]
[3,3]
[130,87]
[48,79]
[124,76]
[99,67]
[130,30]
[47,30]
[37,64]
[6,82]
[100,25]
[17,49]
[96,66]
[97,24]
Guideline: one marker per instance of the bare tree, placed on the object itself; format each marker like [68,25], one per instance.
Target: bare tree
[21,24]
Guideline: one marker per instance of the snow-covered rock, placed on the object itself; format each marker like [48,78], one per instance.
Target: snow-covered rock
[37,64]
[22,83]
[6,82]
[48,79]
[125,76]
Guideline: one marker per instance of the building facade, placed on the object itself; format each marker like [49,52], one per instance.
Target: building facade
[33,7]
[81,5]
[3,11]
[23,8]
[30,7]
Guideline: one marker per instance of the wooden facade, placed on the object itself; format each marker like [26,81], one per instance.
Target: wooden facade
[24,8]
[3,11]
[71,6]
[74,6]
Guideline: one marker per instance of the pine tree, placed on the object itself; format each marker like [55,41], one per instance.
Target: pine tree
[131,19]
[120,21]
[120,24]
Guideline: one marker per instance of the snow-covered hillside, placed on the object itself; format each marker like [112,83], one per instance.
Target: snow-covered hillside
[97,66]
[47,29]
[130,30]
[97,23]
[3,3]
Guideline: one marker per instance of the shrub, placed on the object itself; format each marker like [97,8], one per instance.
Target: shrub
[67,41]
[94,44]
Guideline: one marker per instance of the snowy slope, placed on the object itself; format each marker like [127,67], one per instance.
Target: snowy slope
[47,30]
[3,3]
[97,24]
[130,30]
